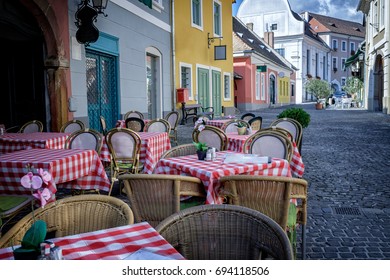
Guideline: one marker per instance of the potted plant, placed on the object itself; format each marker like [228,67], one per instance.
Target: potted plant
[353,86]
[201,150]
[241,127]
[320,89]
[297,114]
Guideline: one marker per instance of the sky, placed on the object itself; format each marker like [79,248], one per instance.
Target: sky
[342,9]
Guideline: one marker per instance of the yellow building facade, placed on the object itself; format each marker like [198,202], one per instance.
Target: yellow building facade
[202,51]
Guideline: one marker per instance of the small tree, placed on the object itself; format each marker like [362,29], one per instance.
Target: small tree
[353,86]
[318,88]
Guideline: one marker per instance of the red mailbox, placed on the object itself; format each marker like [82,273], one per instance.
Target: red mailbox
[182,95]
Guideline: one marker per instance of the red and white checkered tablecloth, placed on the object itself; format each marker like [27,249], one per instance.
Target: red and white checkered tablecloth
[110,244]
[153,145]
[121,123]
[209,172]
[217,123]
[70,168]
[10,142]
[236,144]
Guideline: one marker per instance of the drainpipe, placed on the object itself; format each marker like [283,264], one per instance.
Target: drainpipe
[173,59]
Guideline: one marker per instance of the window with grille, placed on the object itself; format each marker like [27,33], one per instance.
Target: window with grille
[186,78]
[226,86]
[217,18]
[196,13]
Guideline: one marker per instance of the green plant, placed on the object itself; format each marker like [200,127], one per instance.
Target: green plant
[318,88]
[200,146]
[297,114]
[353,86]
[240,124]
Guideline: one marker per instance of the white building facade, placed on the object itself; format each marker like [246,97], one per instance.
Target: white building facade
[293,39]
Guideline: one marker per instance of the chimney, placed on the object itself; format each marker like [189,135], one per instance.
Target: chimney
[249,25]
[269,38]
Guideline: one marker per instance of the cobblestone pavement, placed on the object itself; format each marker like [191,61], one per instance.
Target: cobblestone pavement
[347,164]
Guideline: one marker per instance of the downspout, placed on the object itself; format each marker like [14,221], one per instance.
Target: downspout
[173,58]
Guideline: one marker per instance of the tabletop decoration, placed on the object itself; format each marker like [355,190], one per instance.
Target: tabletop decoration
[201,150]
[199,124]
[35,235]
[241,127]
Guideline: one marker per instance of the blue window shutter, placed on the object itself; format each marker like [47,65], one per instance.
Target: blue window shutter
[148,3]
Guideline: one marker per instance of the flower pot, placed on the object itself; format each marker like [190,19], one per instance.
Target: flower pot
[319,106]
[201,154]
[241,130]
[25,254]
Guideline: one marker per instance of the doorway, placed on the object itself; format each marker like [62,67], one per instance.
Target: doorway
[272,90]
[102,93]
[378,84]
[203,87]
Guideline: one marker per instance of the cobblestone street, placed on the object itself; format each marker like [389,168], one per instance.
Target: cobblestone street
[347,164]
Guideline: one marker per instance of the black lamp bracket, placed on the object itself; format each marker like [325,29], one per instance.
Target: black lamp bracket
[211,39]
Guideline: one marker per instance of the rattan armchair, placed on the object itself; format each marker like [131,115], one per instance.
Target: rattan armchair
[87,139]
[231,125]
[247,116]
[181,150]
[73,215]
[154,197]
[212,136]
[134,123]
[173,119]
[293,126]
[270,195]
[158,125]
[72,126]
[256,123]
[136,114]
[225,232]
[32,126]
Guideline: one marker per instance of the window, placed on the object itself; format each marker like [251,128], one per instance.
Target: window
[343,81]
[274,27]
[316,64]
[343,63]
[217,19]
[334,64]
[344,46]
[281,51]
[258,85]
[196,13]
[352,48]
[308,58]
[262,86]
[226,86]
[382,13]
[324,67]
[158,5]
[186,78]
[334,44]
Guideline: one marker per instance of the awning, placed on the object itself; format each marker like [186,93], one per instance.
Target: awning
[148,3]
[352,59]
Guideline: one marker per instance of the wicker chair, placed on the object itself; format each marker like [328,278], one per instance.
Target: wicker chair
[73,215]
[212,136]
[134,123]
[173,119]
[32,126]
[270,195]
[136,114]
[225,232]
[87,139]
[181,150]
[158,125]
[103,125]
[154,197]
[125,147]
[230,126]
[256,123]
[247,116]
[269,143]
[293,126]
[11,206]
[72,126]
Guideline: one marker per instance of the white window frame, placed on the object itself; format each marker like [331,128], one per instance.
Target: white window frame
[200,26]
[158,5]
[258,85]
[382,14]
[227,88]
[190,89]
[343,46]
[262,81]
[220,18]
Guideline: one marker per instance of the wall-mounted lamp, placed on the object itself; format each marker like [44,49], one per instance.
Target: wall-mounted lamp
[211,39]
[375,25]
[86,15]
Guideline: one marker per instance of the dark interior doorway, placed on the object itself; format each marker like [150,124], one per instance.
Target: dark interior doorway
[22,76]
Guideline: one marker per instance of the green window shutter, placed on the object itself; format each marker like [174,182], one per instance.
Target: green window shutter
[148,3]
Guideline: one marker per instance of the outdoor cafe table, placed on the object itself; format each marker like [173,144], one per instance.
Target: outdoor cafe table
[122,123]
[110,244]
[10,142]
[236,144]
[153,145]
[209,172]
[70,168]
[217,123]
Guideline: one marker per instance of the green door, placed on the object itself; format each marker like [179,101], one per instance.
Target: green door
[203,87]
[216,92]
[101,89]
